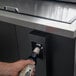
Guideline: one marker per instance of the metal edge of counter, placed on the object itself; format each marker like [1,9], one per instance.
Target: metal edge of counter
[38,24]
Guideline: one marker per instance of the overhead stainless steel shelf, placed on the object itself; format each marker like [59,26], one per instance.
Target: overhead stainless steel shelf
[50,10]
[52,17]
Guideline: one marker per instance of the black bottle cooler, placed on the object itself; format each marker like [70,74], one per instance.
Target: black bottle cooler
[17,42]
[57,58]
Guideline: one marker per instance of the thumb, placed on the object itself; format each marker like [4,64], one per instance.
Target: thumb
[26,62]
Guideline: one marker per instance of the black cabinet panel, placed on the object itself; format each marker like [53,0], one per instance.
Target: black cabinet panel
[60,56]
[8,43]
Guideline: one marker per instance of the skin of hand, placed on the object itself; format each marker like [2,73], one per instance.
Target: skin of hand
[13,69]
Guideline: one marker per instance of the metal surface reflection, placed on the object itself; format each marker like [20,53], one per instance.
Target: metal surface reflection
[50,10]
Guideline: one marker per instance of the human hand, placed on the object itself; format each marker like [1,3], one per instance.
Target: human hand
[13,69]
[20,65]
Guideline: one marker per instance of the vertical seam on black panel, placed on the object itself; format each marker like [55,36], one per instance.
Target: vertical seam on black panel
[17,41]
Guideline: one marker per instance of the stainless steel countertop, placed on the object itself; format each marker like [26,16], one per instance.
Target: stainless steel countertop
[51,17]
[64,12]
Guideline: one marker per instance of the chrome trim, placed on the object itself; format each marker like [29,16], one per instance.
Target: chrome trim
[9,8]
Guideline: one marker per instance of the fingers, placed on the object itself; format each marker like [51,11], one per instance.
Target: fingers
[24,63]
[29,62]
[19,65]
